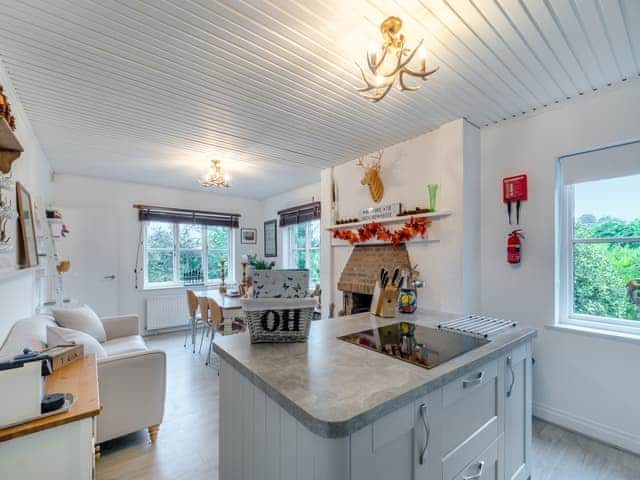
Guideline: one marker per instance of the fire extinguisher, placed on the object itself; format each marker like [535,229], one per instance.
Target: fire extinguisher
[514,246]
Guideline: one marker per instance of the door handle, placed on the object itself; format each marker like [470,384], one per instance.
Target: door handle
[427,431]
[476,475]
[474,381]
[109,277]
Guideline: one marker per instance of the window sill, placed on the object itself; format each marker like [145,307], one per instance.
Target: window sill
[177,287]
[596,332]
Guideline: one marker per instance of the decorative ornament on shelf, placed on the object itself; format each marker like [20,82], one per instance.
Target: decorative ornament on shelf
[372,177]
[10,148]
[374,230]
[215,177]
[390,61]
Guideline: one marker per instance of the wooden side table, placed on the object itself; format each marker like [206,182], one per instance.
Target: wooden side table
[60,446]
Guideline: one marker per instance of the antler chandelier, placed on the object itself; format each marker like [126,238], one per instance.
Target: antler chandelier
[215,177]
[389,61]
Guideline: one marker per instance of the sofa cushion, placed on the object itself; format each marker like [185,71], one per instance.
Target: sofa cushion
[81,318]
[131,344]
[64,336]
[27,333]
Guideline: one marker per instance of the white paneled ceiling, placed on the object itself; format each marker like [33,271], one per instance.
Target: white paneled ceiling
[150,90]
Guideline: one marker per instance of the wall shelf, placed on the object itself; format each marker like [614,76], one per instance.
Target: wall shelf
[403,219]
[8,139]
[335,242]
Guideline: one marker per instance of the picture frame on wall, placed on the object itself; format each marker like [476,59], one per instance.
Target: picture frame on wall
[249,235]
[29,250]
[270,238]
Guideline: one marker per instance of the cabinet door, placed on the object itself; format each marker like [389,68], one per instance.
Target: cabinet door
[427,437]
[392,446]
[517,426]
[384,449]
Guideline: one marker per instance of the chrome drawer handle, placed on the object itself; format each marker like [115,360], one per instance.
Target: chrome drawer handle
[475,381]
[477,475]
[427,431]
[513,376]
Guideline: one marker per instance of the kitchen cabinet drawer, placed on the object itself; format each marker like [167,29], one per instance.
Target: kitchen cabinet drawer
[486,466]
[470,403]
[465,386]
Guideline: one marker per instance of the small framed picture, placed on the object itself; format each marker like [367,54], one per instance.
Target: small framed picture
[29,251]
[271,238]
[248,235]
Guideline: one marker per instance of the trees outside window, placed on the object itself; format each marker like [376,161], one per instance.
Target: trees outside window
[179,253]
[304,249]
[604,250]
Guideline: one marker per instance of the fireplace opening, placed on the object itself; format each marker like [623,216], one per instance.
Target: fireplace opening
[353,303]
[362,270]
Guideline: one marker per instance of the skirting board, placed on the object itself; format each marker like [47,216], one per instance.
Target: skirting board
[603,433]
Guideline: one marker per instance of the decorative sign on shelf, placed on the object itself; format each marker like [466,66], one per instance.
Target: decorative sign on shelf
[384,211]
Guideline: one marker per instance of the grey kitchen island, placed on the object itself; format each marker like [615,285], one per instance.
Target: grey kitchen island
[328,409]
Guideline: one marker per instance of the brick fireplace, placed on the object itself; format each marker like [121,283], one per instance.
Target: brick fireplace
[359,276]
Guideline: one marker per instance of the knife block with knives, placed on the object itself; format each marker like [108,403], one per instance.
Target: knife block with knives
[385,294]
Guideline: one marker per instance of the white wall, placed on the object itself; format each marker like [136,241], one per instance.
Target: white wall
[292,198]
[586,383]
[446,156]
[19,293]
[71,191]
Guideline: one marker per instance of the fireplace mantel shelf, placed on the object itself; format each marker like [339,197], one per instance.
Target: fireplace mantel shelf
[403,219]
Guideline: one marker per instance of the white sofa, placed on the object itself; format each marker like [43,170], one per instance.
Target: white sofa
[132,378]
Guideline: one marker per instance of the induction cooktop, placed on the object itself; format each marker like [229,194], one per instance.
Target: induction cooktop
[423,346]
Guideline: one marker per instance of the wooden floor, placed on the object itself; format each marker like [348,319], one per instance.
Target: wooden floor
[187,447]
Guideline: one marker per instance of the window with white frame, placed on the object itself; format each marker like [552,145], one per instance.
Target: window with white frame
[600,246]
[178,254]
[303,248]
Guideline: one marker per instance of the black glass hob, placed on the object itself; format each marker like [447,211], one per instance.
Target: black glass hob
[423,346]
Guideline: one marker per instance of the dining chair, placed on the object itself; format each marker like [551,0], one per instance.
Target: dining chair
[194,318]
[205,315]
[217,324]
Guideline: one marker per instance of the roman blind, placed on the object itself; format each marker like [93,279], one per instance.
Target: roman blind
[599,164]
[300,214]
[177,215]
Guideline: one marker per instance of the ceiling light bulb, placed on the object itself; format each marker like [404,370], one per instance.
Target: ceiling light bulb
[227,178]
[373,46]
[379,80]
[422,53]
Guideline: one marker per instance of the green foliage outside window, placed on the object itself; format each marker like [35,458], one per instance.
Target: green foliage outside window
[305,249]
[159,244]
[602,270]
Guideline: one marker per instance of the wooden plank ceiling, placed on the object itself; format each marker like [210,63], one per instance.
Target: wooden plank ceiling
[149,90]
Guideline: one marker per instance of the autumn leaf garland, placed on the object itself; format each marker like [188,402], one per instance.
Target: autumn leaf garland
[374,230]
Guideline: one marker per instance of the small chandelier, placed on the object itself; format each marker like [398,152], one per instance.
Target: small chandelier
[389,61]
[215,177]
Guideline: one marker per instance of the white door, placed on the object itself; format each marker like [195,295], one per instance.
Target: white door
[517,419]
[92,247]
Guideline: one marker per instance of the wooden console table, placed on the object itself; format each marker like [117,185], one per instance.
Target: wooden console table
[60,446]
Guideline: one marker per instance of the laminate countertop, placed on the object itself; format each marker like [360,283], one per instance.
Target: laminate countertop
[335,388]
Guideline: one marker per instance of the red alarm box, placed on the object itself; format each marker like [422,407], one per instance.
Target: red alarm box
[514,189]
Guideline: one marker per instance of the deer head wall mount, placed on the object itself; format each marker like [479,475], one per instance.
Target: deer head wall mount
[371,176]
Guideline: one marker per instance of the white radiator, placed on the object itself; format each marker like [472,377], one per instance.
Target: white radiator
[166,311]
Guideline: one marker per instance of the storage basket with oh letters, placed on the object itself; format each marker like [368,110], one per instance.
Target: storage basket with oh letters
[278,320]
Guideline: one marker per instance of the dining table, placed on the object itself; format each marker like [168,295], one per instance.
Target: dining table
[229,305]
